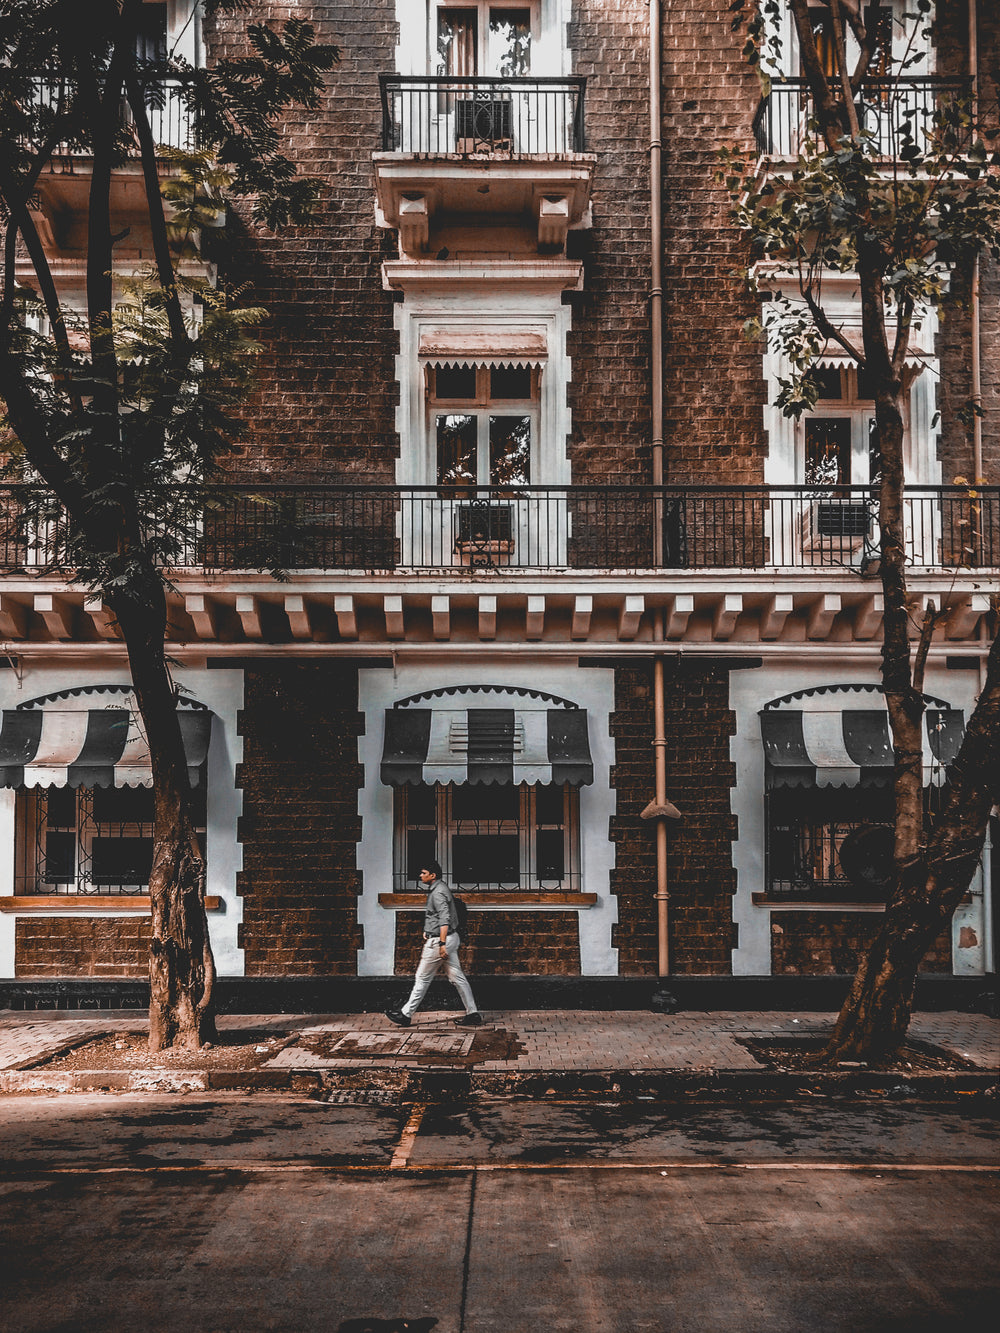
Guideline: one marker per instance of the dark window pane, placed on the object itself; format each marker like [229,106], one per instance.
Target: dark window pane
[121,860]
[151,37]
[199,805]
[456,42]
[481,802]
[828,382]
[550,861]
[485,859]
[510,382]
[123,805]
[60,858]
[549,804]
[828,451]
[455,382]
[421,805]
[510,451]
[421,847]
[61,807]
[456,450]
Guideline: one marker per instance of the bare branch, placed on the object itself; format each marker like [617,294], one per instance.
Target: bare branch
[846,85]
[25,224]
[157,217]
[931,617]
[829,330]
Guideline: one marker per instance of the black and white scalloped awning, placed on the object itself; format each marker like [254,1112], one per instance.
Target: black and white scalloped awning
[838,736]
[74,740]
[487,745]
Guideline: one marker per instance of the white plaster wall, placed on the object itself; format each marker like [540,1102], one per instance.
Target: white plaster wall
[591,689]
[222,692]
[749,692]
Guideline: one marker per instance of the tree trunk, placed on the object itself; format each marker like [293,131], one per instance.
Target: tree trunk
[875,1016]
[181,967]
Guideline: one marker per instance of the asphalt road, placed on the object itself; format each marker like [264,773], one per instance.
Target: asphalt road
[257,1213]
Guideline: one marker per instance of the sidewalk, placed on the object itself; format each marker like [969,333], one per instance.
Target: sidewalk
[525,1052]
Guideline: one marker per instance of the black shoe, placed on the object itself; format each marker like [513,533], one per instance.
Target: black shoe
[472,1020]
[398,1017]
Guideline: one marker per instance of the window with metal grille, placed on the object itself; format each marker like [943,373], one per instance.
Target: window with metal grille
[88,840]
[489,838]
[806,831]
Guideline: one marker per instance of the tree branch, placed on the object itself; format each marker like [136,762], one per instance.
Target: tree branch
[846,84]
[21,214]
[829,330]
[157,217]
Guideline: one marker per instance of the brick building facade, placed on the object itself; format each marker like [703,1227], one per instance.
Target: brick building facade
[453,414]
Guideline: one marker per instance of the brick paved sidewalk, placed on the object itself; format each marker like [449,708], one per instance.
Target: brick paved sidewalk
[633,1042]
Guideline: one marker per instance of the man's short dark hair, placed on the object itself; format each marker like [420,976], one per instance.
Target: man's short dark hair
[434,867]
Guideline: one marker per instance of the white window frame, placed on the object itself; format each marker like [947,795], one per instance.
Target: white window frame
[32,826]
[483,9]
[550,53]
[447,826]
[482,408]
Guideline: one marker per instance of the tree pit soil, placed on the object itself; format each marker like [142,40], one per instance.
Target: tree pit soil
[247,1049]
[800,1056]
[242,1049]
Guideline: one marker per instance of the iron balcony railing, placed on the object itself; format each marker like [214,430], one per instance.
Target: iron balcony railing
[417,528]
[891,110]
[517,117]
[170,117]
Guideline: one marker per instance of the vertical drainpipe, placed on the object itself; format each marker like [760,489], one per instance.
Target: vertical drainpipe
[975,368]
[974,331]
[661,1000]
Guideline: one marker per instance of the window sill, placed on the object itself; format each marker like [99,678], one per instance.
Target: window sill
[824,904]
[569,902]
[119,902]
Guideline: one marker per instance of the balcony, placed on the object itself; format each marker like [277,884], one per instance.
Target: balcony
[482,147]
[427,529]
[63,189]
[888,109]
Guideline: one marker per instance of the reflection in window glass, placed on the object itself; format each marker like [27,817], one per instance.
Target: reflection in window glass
[510,451]
[828,451]
[456,450]
[874,454]
[457,40]
[510,42]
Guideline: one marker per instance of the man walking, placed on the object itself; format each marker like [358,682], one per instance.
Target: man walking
[441,943]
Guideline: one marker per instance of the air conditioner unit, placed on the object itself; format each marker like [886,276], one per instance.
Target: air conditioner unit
[485,533]
[483,126]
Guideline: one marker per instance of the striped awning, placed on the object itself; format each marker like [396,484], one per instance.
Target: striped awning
[812,739]
[486,745]
[56,742]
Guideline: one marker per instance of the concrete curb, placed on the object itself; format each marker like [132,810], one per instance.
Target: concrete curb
[445,1083]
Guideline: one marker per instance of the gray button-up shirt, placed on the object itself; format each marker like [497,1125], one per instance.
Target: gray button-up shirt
[439,910]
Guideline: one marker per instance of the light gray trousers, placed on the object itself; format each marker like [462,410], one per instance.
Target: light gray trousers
[430,961]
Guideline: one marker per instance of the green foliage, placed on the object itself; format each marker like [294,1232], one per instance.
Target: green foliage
[118,418]
[902,201]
